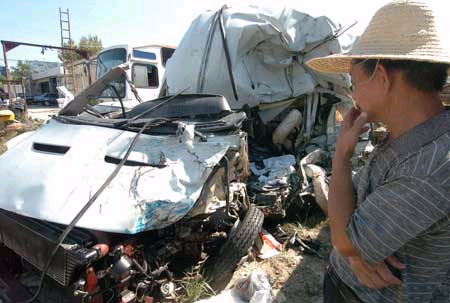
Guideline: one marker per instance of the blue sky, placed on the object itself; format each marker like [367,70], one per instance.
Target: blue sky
[139,21]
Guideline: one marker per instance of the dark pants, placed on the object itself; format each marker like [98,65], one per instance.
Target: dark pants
[336,291]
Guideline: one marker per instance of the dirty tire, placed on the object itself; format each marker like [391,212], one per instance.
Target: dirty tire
[219,270]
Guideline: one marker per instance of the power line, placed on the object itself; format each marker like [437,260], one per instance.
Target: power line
[25,60]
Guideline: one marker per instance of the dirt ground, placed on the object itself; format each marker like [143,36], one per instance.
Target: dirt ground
[42,112]
[294,275]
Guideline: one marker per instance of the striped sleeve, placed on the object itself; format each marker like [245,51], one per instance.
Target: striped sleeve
[395,213]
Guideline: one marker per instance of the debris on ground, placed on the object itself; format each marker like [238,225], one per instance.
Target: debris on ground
[295,276]
[266,245]
[7,115]
[229,296]
[308,246]
[255,288]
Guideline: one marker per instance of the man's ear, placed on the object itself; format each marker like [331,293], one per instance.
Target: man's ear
[384,78]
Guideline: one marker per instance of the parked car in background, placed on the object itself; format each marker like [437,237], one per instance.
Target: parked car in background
[46,99]
[30,99]
[3,96]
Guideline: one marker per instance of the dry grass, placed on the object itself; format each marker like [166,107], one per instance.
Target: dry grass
[193,288]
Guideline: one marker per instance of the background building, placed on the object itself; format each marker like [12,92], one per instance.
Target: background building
[2,71]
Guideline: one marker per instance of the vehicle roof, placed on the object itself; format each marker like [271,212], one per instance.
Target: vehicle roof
[128,46]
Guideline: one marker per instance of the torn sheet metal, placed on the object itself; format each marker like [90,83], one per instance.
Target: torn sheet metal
[62,165]
[287,125]
[271,185]
[267,49]
[276,170]
[320,184]
[78,104]
[313,157]
[66,96]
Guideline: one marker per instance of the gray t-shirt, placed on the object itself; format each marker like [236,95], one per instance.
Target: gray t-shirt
[403,209]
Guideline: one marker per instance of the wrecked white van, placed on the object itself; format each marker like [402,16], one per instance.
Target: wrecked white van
[107,206]
[147,66]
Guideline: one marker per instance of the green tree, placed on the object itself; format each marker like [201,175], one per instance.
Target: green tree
[91,44]
[21,70]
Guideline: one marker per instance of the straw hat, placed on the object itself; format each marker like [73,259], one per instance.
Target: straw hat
[401,30]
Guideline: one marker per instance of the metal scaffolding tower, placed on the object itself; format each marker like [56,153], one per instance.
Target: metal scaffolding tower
[66,39]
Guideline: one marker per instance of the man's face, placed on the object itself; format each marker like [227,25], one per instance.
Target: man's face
[366,92]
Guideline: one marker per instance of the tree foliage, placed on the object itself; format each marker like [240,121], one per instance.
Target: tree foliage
[91,44]
[21,70]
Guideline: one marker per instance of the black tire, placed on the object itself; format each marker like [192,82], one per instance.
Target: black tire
[219,269]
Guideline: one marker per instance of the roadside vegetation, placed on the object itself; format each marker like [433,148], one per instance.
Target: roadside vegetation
[9,130]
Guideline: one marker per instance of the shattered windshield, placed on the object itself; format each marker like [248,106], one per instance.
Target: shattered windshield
[107,61]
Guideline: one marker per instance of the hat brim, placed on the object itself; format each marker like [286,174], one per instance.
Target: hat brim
[341,63]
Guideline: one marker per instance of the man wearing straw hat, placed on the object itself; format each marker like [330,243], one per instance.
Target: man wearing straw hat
[390,225]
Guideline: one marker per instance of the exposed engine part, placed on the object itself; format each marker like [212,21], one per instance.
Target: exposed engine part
[184,232]
[139,266]
[80,287]
[121,269]
[96,252]
[321,185]
[148,299]
[33,240]
[206,236]
[91,280]
[142,269]
[167,288]
[127,296]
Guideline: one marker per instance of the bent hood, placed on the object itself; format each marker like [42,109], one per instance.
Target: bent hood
[52,173]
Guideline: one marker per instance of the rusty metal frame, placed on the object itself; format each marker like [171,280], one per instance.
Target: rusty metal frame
[9,45]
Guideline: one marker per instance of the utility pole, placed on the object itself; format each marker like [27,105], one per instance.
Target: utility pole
[24,97]
[9,45]
[8,79]
[64,23]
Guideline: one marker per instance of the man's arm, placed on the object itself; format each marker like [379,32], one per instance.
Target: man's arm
[341,207]
[340,197]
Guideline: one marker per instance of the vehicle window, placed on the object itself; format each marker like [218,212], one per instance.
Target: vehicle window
[107,61]
[110,59]
[109,91]
[144,55]
[145,75]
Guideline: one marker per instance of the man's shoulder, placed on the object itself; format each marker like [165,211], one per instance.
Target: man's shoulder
[431,160]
